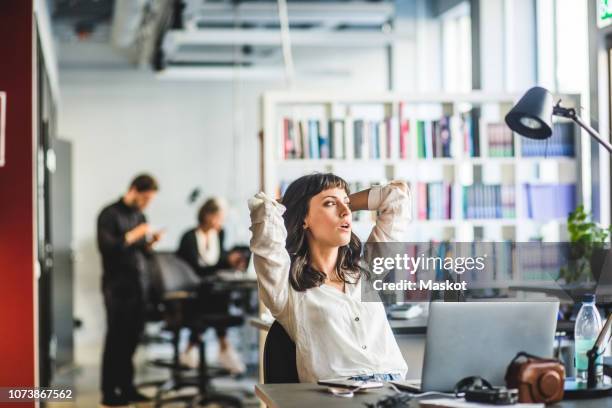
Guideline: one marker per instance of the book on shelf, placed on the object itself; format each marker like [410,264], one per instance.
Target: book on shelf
[313,139]
[301,142]
[500,140]
[499,262]
[387,138]
[470,132]
[503,255]
[488,201]
[336,138]
[323,139]
[541,261]
[434,138]
[359,140]
[549,201]
[434,201]
[506,262]
[413,250]
[560,144]
[400,133]
[288,139]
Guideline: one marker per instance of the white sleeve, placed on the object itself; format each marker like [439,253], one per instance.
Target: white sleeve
[271,259]
[394,212]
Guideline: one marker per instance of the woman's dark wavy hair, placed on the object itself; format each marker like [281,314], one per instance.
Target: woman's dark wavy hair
[296,199]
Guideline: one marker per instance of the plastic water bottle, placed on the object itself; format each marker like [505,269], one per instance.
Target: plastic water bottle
[588,326]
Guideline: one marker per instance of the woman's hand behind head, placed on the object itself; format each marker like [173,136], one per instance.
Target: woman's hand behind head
[260,206]
[401,184]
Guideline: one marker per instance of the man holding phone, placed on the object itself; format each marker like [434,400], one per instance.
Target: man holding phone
[125,240]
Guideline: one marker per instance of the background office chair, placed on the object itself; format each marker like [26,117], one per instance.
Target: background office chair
[279,357]
[176,286]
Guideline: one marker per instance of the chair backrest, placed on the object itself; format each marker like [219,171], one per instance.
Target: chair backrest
[173,274]
[279,357]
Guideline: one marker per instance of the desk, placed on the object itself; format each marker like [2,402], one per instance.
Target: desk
[231,280]
[312,395]
[570,293]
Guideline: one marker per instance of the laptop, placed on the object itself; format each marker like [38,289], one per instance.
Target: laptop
[480,339]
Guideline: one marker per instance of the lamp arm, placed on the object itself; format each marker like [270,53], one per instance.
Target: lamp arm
[598,349]
[601,342]
[593,133]
[571,114]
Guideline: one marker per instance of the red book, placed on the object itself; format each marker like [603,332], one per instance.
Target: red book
[286,139]
[403,133]
[404,130]
[422,200]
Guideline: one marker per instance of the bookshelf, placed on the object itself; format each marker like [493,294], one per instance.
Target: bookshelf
[470,177]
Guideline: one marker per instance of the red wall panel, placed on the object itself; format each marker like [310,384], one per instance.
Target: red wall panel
[17,320]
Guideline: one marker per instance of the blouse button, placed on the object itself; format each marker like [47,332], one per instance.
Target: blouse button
[364,347]
[357,319]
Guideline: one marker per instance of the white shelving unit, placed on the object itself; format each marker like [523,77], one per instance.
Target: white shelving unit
[459,171]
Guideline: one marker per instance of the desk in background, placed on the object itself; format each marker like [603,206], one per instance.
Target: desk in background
[307,395]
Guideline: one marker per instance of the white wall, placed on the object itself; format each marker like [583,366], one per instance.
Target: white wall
[122,121]
[125,123]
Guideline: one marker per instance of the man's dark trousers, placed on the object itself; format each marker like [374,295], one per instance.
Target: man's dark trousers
[125,322]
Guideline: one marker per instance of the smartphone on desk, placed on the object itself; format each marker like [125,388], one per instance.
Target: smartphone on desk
[346,383]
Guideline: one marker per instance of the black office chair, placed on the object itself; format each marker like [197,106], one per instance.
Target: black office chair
[177,286]
[279,364]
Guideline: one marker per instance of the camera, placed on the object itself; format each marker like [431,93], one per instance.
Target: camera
[495,395]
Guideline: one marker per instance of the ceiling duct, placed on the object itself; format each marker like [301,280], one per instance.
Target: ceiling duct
[248,33]
[138,25]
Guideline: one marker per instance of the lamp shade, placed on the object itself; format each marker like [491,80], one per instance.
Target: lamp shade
[532,115]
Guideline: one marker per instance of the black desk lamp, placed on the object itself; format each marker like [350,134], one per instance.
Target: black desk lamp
[598,348]
[532,116]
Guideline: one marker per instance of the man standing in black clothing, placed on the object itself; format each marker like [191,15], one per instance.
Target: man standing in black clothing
[125,240]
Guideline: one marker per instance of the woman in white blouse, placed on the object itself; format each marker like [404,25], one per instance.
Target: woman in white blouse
[307,261]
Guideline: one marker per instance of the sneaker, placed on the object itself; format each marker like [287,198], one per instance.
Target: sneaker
[190,358]
[115,401]
[230,360]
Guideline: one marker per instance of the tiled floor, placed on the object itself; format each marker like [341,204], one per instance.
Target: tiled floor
[84,378]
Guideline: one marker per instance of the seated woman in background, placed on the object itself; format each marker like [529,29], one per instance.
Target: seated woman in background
[307,261]
[202,248]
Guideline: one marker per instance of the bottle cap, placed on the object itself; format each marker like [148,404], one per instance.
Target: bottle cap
[588,298]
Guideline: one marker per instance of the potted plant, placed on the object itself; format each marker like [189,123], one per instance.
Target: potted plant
[588,247]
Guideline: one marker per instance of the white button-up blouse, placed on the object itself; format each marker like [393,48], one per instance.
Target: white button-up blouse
[336,335]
